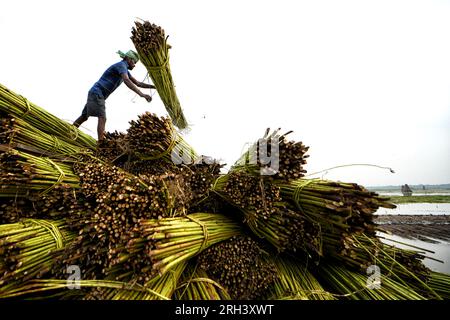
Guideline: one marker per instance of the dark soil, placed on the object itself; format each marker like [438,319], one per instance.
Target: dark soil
[427,228]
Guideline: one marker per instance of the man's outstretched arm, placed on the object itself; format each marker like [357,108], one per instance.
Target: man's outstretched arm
[133,87]
[142,84]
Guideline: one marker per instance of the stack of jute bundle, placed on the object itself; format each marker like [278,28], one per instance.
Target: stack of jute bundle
[151,44]
[167,227]
[15,105]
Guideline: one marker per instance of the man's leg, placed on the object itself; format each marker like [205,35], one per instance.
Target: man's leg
[101,128]
[80,120]
[83,117]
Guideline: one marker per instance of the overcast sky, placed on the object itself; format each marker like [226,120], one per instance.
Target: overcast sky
[360,82]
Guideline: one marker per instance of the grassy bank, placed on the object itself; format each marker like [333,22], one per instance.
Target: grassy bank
[421,199]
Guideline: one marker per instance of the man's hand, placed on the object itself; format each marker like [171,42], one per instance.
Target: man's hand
[131,83]
[147,97]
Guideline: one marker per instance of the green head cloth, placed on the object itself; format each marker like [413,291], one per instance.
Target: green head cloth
[130,54]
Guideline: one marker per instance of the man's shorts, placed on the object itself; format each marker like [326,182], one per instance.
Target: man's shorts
[95,106]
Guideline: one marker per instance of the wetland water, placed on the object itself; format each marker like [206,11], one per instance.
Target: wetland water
[417,209]
[441,251]
[440,247]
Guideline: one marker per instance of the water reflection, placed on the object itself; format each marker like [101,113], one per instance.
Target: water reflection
[417,209]
[441,251]
[415,193]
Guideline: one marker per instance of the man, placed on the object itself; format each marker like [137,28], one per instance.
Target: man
[109,81]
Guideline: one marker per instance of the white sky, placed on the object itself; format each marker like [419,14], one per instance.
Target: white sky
[357,81]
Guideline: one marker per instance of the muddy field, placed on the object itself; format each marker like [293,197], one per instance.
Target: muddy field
[427,228]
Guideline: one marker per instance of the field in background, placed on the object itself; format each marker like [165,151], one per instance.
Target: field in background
[421,188]
[421,193]
[421,199]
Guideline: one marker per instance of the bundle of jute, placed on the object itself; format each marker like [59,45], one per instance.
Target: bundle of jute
[120,201]
[201,176]
[169,241]
[111,148]
[150,167]
[62,202]
[19,107]
[256,197]
[295,282]
[154,246]
[195,284]
[262,210]
[440,283]
[161,287]
[151,146]
[102,289]
[151,44]
[23,174]
[273,156]
[116,190]
[18,134]
[352,202]
[240,265]
[132,228]
[341,209]
[26,247]
[347,284]
[404,266]
[289,231]
[151,138]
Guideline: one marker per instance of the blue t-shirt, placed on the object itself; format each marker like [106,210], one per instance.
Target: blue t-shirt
[111,79]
